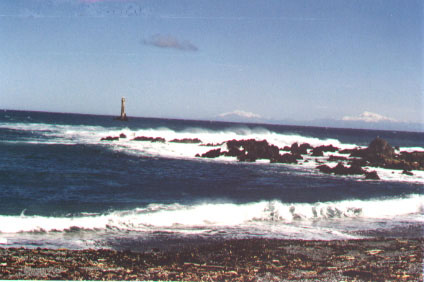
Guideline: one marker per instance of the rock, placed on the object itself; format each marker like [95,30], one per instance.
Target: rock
[110,138]
[372,175]
[187,141]
[286,158]
[380,146]
[357,152]
[333,158]
[381,154]
[407,172]
[122,135]
[340,169]
[319,151]
[295,149]
[151,139]
[251,150]
[212,144]
[212,154]
[324,168]
[413,157]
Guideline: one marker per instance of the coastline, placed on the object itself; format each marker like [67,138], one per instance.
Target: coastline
[376,259]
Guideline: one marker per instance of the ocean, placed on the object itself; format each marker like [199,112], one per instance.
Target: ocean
[62,187]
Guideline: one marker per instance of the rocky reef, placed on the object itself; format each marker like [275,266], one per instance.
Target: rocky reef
[379,153]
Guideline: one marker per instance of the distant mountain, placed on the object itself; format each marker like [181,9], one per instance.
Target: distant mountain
[359,124]
[241,116]
[366,120]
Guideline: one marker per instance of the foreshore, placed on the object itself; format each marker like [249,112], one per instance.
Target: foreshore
[378,259]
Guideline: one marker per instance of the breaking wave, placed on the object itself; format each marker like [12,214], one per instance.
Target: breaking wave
[176,217]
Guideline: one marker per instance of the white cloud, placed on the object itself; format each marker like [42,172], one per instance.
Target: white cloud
[169,41]
[240,114]
[369,117]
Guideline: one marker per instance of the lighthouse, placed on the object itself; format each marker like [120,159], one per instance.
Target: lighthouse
[123,116]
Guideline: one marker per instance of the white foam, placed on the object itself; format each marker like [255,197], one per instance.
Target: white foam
[80,134]
[205,216]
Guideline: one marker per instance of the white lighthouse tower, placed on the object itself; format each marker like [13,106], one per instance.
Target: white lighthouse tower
[123,116]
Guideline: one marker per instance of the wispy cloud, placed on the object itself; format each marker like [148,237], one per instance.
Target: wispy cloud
[240,113]
[169,41]
[369,117]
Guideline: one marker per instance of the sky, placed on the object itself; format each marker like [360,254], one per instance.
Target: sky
[196,59]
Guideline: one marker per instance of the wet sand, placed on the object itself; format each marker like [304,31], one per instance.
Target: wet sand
[232,260]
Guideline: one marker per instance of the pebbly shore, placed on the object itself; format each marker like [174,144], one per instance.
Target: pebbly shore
[227,260]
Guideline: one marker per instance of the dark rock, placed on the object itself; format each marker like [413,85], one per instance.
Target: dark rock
[340,169]
[286,158]
[251,150]
[333,158]
[407,172]
[151,139]
[319,151]
[212,144]
[413,157]
[212,154]
[380,154]
[287,148]
[110,138]
[324,168]
[187,141]
[122,135]
[300,150]
[380,146]
[346,151]
[372,175]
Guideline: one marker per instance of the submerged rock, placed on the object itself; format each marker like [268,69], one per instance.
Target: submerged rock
[151,139]
[187,141]
[372,175]
[295,149]
[406,172]
[286,158]
[212,154]
[251,150]
[340,169]
[110,138]
[319,151]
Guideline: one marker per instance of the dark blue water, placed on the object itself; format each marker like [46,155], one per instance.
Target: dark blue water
[54,165]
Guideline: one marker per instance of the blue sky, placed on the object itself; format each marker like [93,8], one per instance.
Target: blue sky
[195,59]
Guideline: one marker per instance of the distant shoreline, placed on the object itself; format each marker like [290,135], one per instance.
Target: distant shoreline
[243,259]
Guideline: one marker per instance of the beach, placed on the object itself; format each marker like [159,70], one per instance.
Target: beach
[226,260]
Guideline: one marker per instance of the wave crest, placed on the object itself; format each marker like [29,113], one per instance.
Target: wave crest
[207,215]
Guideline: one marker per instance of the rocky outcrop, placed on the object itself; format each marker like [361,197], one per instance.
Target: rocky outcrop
[187,141]
[251,150]
[381,154]
[340,169]
[211,154]
[110,138]
[354,169]
[372,175]
[286,159]
[150,139]
[319,151]
[406,172]
[122,135]
[333,158]
[295,149]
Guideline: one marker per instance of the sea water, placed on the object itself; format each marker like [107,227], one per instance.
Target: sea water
[61,186]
